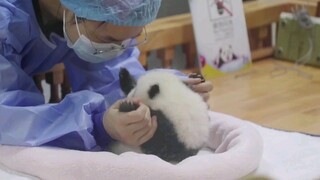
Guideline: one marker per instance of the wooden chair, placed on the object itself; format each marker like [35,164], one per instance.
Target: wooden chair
[55,77]
[165,34]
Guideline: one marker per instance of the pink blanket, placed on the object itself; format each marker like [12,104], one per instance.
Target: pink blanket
[234,150]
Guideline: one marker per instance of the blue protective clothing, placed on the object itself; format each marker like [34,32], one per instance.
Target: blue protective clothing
[25,119]
[120,12]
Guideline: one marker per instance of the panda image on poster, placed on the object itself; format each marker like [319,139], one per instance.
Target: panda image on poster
[228,60]
[220,9]
[182,115]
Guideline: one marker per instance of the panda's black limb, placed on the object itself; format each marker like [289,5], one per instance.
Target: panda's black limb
[126,106]
[165,143]
[196,75]
[127,82]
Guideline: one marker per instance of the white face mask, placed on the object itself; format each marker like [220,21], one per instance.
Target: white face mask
[91,51]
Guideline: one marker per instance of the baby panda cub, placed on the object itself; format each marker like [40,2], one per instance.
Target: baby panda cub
[182,115]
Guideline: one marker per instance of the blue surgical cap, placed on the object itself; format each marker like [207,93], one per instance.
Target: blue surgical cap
[117,12]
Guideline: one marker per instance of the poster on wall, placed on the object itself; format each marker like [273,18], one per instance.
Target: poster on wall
[221,36]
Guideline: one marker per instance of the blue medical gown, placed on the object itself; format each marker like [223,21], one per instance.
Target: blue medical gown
[25,119]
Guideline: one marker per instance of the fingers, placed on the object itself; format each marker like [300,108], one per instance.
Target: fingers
[144,110]
[143,134]
[197,85]
[134,127]
[205,96]
[192,81]
[149,134]
[202,87]
[141,114]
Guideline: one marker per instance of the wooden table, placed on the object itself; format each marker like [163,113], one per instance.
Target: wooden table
[289,101]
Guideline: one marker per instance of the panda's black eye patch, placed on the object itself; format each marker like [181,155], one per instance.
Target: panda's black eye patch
[153,91]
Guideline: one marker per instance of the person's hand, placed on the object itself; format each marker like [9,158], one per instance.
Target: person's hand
[132,128]
[200,87]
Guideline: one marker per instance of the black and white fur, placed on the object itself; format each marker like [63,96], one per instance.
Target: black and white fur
[182,115]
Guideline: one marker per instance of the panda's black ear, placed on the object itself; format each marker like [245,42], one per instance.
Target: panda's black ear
[154,91]
[127,82]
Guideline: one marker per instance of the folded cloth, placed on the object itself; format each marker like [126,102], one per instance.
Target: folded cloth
[234,150]
[289,155]
[7,174]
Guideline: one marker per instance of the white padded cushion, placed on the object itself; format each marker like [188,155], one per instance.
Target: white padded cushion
[234,150]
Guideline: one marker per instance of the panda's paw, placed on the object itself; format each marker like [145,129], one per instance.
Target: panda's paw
[127,106]
[196,75]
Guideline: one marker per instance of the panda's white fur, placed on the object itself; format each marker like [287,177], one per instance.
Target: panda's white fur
[183,107]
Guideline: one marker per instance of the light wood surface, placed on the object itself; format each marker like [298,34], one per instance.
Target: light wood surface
[288,101]
[177,30]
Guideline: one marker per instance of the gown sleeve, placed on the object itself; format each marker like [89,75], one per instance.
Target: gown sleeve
[25,119]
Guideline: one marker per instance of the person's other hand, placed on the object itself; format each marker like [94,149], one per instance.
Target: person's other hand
[200,87]
[132,128]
